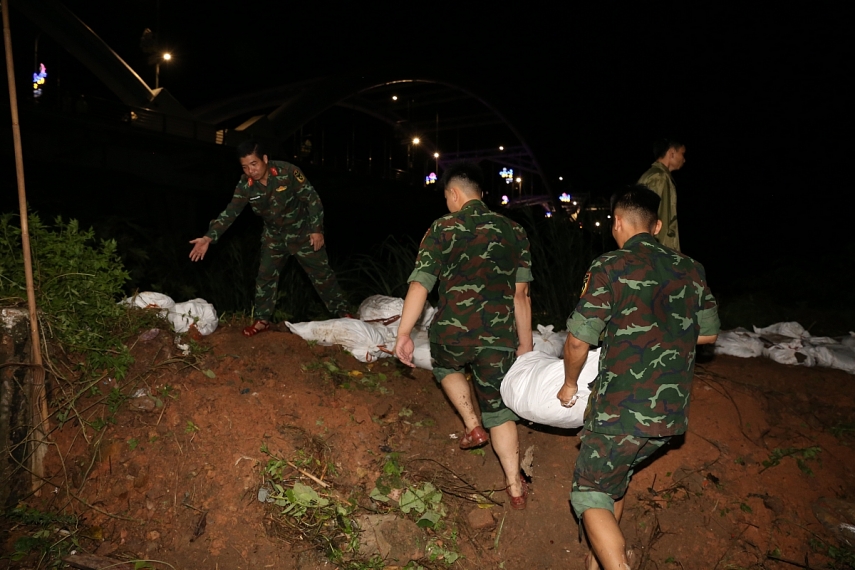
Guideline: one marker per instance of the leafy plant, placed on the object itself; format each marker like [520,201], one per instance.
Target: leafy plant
[802,456]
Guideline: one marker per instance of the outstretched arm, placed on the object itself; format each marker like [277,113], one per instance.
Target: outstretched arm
[200,248]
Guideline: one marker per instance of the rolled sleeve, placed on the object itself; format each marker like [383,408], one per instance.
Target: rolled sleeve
[709,321]
[524,275]
[426,280]
[585,329]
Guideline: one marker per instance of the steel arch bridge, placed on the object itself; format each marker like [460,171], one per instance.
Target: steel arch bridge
[429,108]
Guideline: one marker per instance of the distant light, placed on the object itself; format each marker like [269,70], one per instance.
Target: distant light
[548,214]
[609,216]
[574,203]
[560,178]
[430,178]
[519,179]
[565,197]
[501,148]
[507,174]
[416,140]
[39,80]
[436,155]
[167,56]
[505,200]
[394,97]
[597,224]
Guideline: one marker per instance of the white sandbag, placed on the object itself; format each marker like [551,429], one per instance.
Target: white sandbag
[421,353]
[548,341]
[835,355]
[739,342]
[784,352]
[364,341]
[791,329]
[849,341]
[195,311]
[150,299]
[382,308]
[531,386]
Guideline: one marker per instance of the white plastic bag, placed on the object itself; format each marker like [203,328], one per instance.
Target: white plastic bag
[531,386]
[548,341]
[421,353]
[150,299]
[383,308]
[195,311]
[364,341]
[739,342]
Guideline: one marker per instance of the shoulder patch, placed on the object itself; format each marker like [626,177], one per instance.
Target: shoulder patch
[299,176]
[585,284]
[249,181]
[274,171]
[281,189]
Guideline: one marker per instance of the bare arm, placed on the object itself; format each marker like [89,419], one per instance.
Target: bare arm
[708,339]
[522,315]
[575,355]
[414,304]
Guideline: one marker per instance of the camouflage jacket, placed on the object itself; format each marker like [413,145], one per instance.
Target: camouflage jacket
[289,205]
[651,303]
[478,257]
[658,178]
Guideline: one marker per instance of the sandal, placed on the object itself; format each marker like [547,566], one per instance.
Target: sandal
[518,503]
[253,329]
[475,438]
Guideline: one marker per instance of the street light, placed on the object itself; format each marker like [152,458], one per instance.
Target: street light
[416,140]
[165,57]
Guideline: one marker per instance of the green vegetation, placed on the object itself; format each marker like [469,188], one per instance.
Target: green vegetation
[802,456]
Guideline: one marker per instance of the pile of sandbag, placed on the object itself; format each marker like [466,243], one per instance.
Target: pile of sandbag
[196,312]
[789,343]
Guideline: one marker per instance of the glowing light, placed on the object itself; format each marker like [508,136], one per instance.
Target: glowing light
[505,200]
[167,56]
[430,178]
[575,203]
[548,214]
[597,224]
[565,197]
[394,97]
[519,179]
[39,80]
[609,217]
[416,140]
[436,155]
[560,178]
[501,148]
[507,174]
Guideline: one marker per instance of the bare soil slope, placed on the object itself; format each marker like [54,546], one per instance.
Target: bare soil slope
[179,482]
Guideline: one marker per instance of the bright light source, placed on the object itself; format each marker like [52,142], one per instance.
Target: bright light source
[560,178]
[519,179]
[548,214]
[416,140]
[574,203]
[394,97]
[436,155]
[565,197]
[167,56]
[501,148]
[609,217]
[504,200]
[597,224]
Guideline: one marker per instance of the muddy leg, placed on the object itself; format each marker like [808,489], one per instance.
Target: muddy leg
[506,445]
[458,391]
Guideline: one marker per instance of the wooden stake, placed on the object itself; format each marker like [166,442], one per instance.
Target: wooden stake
[38,399]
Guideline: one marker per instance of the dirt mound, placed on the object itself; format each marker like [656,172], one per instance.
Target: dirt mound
[174,474]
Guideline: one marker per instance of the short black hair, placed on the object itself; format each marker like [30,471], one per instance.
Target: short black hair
[251,146]
[468,175]
[663,145]
[638,201]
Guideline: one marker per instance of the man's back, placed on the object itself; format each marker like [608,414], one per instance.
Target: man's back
[653,302]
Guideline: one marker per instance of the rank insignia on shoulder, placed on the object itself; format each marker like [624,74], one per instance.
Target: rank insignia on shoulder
[299,176]
[274,171]
[585,284]
[249,181]
[281,189]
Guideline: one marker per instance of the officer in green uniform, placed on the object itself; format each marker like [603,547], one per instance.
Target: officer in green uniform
[482,263]
[670,156]
[652,307]
[293,225]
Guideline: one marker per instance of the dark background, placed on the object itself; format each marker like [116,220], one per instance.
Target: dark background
[760,95]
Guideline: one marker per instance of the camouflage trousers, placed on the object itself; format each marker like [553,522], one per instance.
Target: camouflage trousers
[274,254]
[604,467]
[489,366]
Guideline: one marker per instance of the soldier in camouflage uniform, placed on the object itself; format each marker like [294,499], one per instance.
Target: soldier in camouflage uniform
[293,225]
[482,263]
[670,156]
[651,306]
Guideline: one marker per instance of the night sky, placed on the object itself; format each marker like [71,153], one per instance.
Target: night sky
[756,94]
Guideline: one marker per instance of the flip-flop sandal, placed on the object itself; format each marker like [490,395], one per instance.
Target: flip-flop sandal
[475,438]
[518,503]
[253,329]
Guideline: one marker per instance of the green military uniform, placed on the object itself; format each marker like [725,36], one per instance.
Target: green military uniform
[651,303]
[658,178]
[478,257]
[291,210]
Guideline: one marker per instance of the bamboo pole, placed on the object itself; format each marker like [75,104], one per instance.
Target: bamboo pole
[38,397]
